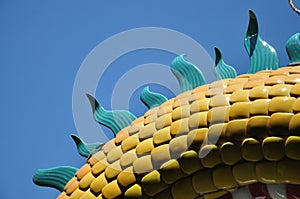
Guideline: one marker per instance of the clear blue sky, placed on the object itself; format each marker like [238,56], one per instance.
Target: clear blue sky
[43,44]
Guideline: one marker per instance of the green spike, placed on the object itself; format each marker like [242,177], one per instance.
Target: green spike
[152,99]
[262,55]
[56,177]
[293,48]
[222,69]
[83,148]
[115,120]
[188,75]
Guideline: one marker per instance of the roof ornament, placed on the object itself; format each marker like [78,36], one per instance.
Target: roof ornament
[152,99]
[222,69]
[262,55]
[187,74]
[116,120]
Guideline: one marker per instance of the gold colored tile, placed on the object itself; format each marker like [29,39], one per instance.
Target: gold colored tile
[292,147]
[278,79]
[254,83]
[259,92]
[85,182]
[292,79]
[266,172]
[281,104]
[163,121]
[295,90]
[294,125]
[252,150]
[128,158]
[96,158]
[120,137]
[180,127]
[145,146]
[210,156]
[164,110]
[198,120]
[76,194]
[232,88]
[160,155]
[162,136]
[72,185]
[240,110]
[260,107]
[109,146]
[279,124]
[197,96]
[181,112]
[177,146]
[223,178]
[190,162]
[147,131]
[196,137]
[231,153]
[203,182]
[143,165]
[152,183]
[112,190]
[296,106]
[257,127]
[129,143]
[85,169]
[236,130]
[183,189]
[88,195]
[180,102]
[216,133]
[99,167]
[135,191]
[200,105]
[288,171]
[239,96]
[244,173]
[237,81]
[98,184]
[151,111]
[114,154]
[219,100]
[273,148]
[171,172]
[280,90]
[126,177]
[220,83]
[113,170]
[218,115]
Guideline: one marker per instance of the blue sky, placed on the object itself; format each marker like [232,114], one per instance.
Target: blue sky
[43,44]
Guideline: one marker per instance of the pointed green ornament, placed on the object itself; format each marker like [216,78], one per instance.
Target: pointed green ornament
[222,69]
[262,55]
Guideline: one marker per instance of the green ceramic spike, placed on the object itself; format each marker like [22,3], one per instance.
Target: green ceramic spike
[222,69]
[262,55]
[115,120]
[85,149]
[188,75]
[152,99]
[293,48]
[56,177]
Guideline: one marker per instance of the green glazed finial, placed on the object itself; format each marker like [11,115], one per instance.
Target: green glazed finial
[262,55]
[293,48]
[222,69]
[116,120]
[152,99]
[188,75]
